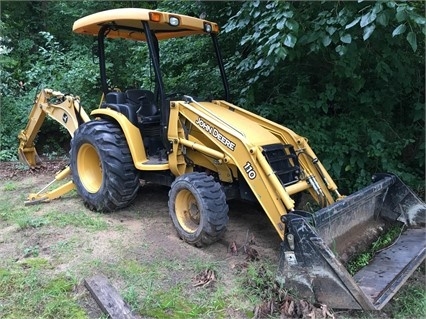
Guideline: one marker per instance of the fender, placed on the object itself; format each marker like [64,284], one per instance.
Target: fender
[131,132]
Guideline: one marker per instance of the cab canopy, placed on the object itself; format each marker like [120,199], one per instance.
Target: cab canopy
[127,23]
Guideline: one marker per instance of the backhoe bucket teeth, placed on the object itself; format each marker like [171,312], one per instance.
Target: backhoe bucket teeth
[312,261]
[29,157]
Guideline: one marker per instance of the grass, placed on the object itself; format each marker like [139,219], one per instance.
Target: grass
[9,186]
[410,301]
[384,240]
[64,247]
[22,216]
[83,219]
[27,292]
[26,218]
[154,290]
[32,251]
[257,281]
[35,263]
[30,285]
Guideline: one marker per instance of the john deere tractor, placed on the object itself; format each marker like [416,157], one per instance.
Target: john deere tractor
[209,151]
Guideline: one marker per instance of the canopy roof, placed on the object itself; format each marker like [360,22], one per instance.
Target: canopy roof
[127,23]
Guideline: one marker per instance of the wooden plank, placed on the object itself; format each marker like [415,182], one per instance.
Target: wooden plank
[108,298]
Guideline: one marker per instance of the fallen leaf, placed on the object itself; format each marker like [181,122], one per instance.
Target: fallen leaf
[265,310]
[252,254]
[233,248]
[204,279]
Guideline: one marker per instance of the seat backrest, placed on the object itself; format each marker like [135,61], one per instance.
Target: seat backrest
[115,97]
[145,99]
[137,96]
[136,104]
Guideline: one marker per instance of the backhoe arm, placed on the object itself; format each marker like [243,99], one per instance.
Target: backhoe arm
[65,109]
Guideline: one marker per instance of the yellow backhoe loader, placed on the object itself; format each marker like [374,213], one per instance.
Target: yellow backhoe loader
[211,151]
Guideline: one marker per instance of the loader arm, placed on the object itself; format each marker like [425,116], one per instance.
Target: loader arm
[306,156]
[244,147]
[67,111]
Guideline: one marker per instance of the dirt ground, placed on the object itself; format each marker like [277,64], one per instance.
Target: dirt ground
[153,222]
[148,232]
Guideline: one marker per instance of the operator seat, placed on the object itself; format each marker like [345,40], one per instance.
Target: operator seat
[136,104]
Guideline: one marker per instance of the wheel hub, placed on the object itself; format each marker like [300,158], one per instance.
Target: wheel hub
[89,168]
[187,211]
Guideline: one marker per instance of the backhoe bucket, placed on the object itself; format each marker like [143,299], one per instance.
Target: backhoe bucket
[317,246]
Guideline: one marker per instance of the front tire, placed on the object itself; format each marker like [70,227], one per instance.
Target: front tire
[198,208]
[102,166]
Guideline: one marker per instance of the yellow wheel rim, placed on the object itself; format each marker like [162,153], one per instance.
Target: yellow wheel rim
[89,168]
[187,212]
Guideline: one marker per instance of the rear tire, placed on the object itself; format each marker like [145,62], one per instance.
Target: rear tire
[198,208]
[102,166]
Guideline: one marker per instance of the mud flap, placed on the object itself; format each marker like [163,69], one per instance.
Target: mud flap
[312,261]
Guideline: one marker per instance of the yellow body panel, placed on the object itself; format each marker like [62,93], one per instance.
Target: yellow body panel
[234,142]
[238,125]
[134,140]
[287,136]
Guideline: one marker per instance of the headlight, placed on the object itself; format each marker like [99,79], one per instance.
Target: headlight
[207,27]
[173,21]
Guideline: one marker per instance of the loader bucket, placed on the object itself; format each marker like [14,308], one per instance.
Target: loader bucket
[312,261]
